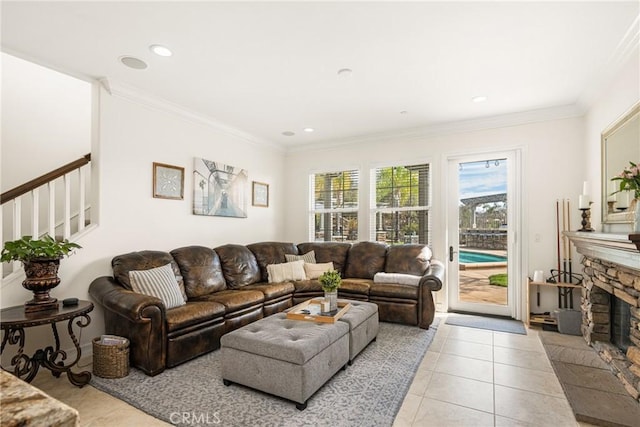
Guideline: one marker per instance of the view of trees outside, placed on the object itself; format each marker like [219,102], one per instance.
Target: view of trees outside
[336,204]
[402,199]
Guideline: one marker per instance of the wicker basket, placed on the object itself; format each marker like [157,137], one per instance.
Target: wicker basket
[110,360]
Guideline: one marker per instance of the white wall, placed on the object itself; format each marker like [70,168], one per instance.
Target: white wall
[46,120]
[615,99]
[132,136]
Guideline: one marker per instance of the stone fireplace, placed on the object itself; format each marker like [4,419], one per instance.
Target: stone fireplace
[611,301]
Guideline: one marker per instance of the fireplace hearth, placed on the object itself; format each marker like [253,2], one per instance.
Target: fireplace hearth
[610,302]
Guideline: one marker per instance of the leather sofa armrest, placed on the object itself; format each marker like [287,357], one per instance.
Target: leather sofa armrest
[126,303]
[141,318]
[430,282]
[433,277]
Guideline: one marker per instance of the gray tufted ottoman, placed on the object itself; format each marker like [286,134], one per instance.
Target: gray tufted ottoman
[287,358]
[362,319]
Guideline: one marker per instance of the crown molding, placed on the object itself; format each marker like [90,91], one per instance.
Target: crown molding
[628,46]
[447,128]
[132,94]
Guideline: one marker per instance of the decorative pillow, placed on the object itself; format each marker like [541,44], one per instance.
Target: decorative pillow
[159,282]
[286,271]
[399,278]
[313,271]
[309,257]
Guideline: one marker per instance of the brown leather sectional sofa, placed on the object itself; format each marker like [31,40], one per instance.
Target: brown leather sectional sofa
[227,288]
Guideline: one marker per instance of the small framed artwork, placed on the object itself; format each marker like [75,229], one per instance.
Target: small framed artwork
[168,181]
[260,194]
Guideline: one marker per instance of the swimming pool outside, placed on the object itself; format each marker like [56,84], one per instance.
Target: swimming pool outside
[467,257]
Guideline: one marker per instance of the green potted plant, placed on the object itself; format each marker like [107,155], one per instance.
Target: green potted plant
[629,180]
[330,282]
[41,260]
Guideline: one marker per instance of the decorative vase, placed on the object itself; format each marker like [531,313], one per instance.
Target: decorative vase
[332,297]
[42,276]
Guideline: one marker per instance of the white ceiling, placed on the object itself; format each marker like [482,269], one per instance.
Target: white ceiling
[265,68]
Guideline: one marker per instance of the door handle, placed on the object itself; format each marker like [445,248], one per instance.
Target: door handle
[451,252]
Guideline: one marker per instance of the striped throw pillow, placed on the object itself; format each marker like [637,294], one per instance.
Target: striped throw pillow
[309,257]
[158,282]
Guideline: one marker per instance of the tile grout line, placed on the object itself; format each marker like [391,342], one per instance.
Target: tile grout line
[493,366]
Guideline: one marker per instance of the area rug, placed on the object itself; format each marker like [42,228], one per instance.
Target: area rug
[369,392]
[484,322]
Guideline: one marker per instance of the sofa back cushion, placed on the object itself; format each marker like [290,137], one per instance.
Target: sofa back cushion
[268,253]
[239,265]
[201,270]
[365,259]
[335,252]
[144,260]
[408,259]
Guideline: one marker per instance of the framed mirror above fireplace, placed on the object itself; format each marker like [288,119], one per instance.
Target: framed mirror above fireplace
[620,144]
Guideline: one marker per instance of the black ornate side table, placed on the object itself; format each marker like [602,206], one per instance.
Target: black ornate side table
[14,321]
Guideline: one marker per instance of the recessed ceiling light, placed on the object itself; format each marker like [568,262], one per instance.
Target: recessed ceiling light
[160,50]
[288,133]
[309,130]
[133,62]
[345,73]
[480,98]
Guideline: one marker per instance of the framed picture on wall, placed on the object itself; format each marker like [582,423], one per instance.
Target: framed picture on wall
[260,194]
[168,181]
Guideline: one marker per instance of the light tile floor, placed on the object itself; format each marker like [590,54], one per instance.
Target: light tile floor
[469,377]
[476,377]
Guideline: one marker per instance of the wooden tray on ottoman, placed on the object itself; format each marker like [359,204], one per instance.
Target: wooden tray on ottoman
[295,313]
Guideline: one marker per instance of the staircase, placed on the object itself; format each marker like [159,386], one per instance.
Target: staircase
[56,203]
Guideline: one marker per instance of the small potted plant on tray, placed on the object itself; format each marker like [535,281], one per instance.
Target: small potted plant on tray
[331,281]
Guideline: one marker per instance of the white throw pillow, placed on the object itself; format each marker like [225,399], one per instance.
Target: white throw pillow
[158,282]
[286,271]
[309,257]
[313,271]
[399,278]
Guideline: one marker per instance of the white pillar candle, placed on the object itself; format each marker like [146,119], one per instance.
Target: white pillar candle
[584,188]
[583,201]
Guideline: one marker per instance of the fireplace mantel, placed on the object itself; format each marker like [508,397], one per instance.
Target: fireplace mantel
[622,249]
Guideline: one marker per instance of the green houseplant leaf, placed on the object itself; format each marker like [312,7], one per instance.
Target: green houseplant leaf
[27,249]
[330,280]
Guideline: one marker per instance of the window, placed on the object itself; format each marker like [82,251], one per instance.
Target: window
[400,204]
[334,206]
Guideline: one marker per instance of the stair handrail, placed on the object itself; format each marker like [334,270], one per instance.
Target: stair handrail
[41,180]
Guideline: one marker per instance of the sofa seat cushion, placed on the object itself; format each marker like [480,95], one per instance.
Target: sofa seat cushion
[394,290]
[193,313]
[272,290]
[307,286]
[235,300]
[355,286]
